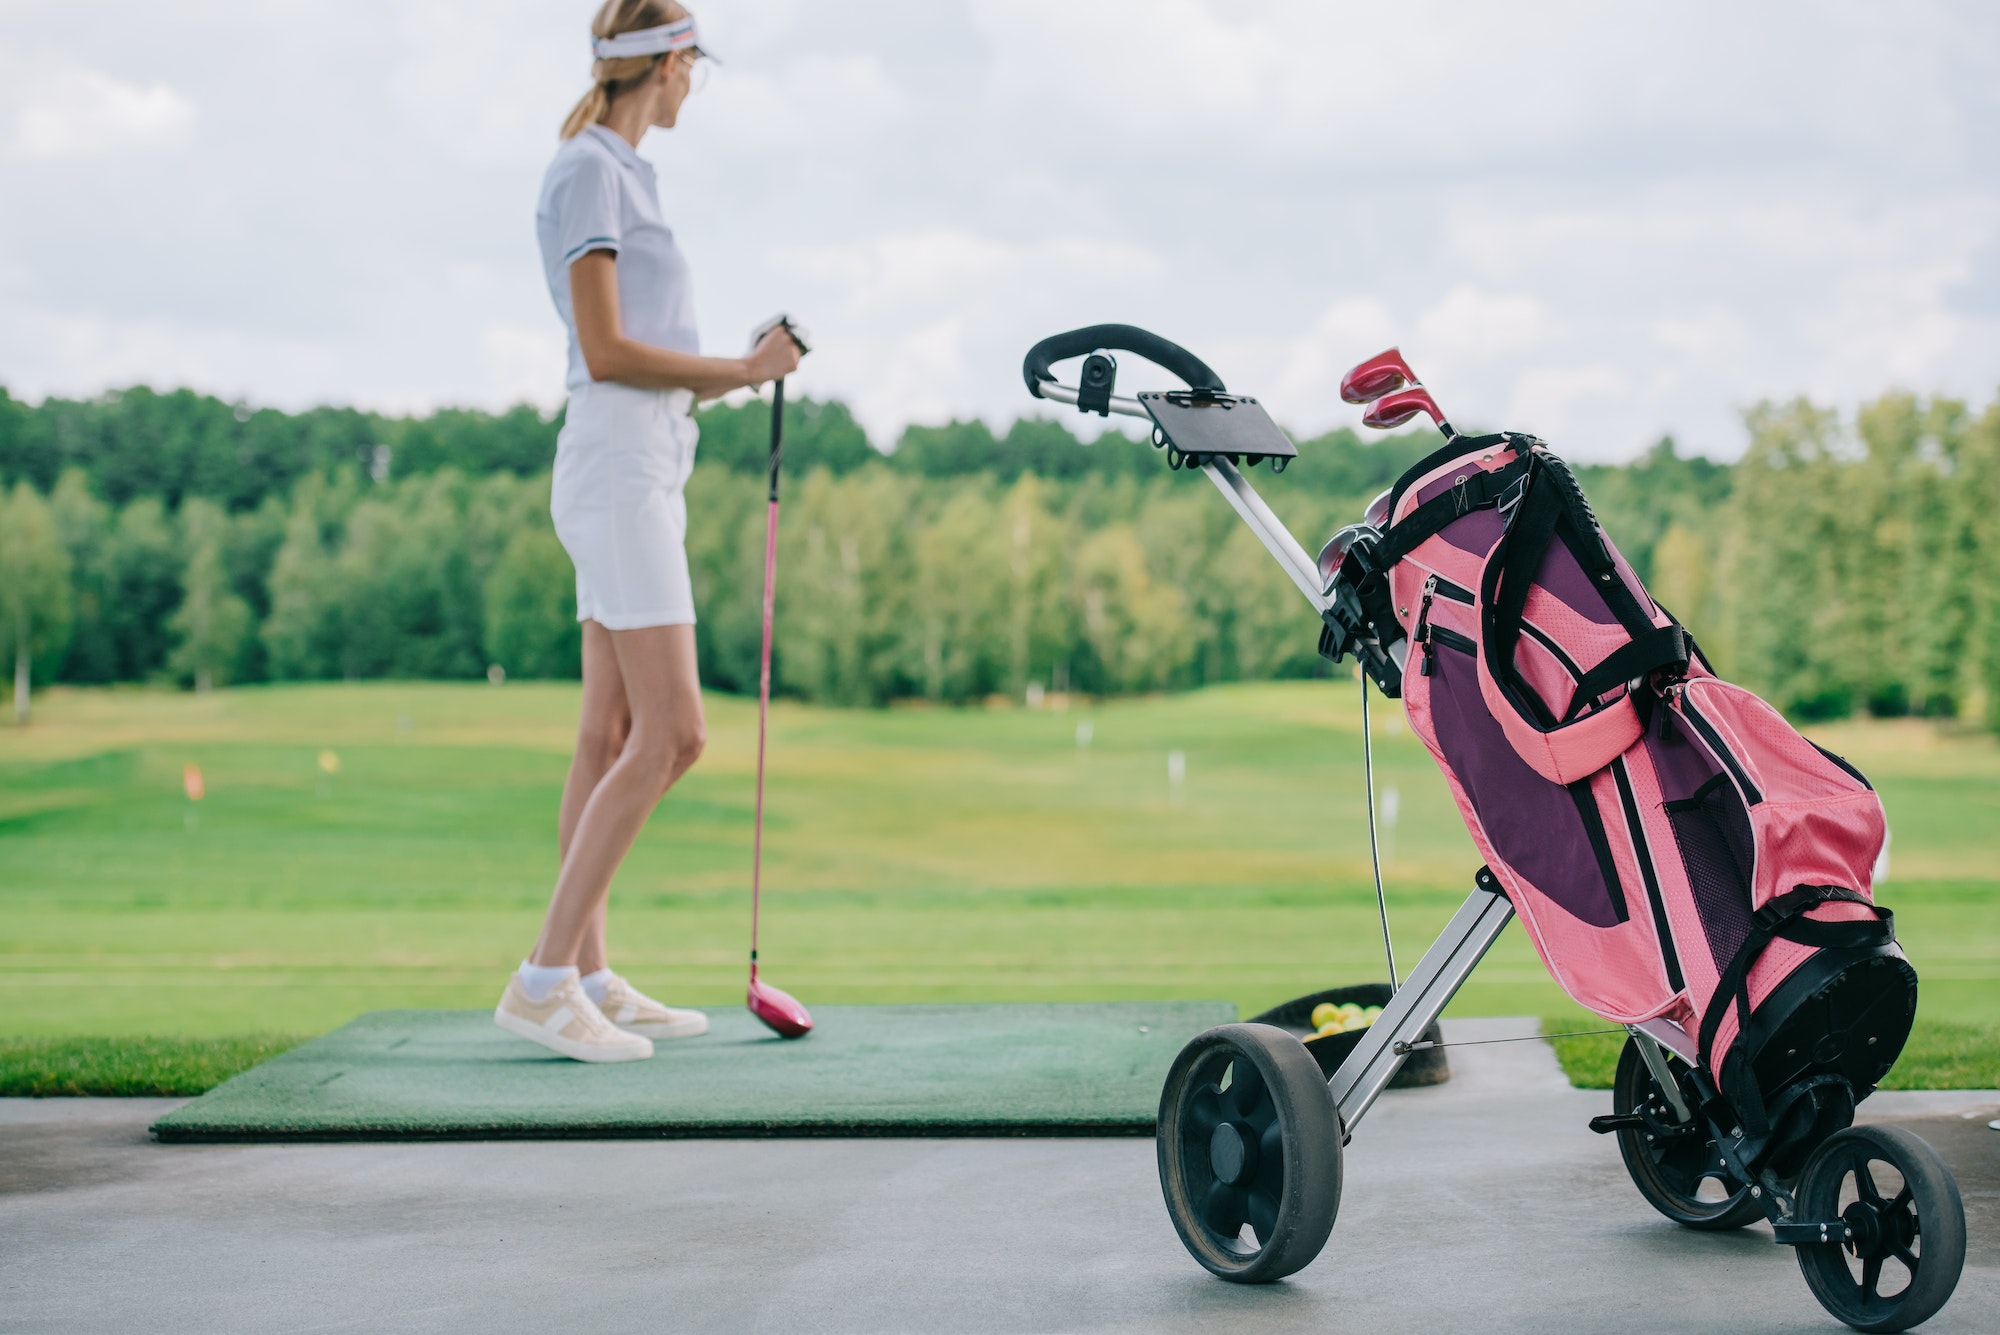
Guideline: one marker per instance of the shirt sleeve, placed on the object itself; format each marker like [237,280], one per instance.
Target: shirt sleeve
[586,208]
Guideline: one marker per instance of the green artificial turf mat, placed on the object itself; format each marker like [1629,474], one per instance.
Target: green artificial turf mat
[1080,1069]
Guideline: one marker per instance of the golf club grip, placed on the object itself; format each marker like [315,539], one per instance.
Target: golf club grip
[777,433]
[1123,338]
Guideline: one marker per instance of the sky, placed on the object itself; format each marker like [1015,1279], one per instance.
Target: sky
[1599,223]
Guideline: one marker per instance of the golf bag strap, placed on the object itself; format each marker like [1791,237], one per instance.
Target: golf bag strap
[1476,489]
[1575,523]
[1553,507]
[1784,918]
[1510,574]
[1459,447]
[1661,649]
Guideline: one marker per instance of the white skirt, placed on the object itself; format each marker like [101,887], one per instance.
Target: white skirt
[622,459]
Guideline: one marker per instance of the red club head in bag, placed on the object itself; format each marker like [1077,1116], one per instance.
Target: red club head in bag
[1381,374]
[779,1009]
[1398,408]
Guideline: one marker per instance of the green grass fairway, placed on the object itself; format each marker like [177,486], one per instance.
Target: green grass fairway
[131,1067]
[914,855]
[1941,1054]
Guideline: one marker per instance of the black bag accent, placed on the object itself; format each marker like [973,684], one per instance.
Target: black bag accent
[1783,918]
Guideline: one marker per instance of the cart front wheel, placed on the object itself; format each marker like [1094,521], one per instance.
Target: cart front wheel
[1675,1164]
[1905,1228]
[1249,1149]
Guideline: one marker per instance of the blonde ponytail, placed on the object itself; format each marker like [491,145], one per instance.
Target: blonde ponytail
[612,78]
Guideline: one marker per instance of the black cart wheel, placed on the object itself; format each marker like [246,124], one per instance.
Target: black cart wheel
[1249,1146]
[1905,1225]
[1674,1164]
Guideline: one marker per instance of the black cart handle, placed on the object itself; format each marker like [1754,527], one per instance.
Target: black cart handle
[1121,338]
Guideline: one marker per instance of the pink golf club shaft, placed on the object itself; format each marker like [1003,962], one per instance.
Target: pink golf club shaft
[763,725]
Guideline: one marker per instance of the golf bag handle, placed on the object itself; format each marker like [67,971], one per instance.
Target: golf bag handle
[1119,337]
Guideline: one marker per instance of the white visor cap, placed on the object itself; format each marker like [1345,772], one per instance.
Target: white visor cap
[677,36]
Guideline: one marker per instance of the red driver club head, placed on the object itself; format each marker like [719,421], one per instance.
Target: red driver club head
[1381,374]
[1398,408]
[779,1009]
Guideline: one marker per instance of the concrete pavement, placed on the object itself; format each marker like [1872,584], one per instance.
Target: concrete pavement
[1481,1204]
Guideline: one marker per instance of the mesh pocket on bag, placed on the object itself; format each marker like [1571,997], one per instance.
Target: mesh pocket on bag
[1718,849]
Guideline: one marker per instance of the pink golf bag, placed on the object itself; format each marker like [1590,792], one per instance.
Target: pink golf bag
[1673,847]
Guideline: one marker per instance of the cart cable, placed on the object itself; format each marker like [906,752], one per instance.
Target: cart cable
[1374,849]
[1404,1049]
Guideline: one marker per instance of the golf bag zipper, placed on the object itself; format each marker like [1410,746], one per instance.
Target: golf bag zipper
[1422,633]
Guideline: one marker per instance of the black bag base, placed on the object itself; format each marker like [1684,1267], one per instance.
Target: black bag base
[1425,1066]
[1840,1020]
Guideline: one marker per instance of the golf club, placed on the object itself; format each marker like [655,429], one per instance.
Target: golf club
[1399,407]
[1381,374]
[1386,381]
[778,1009]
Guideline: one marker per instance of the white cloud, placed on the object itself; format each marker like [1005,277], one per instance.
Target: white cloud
[1307,385]
[1473,326]
[1554,398]
[526,364]
[165,354]
[69,111]
[907,324]
[1594,222]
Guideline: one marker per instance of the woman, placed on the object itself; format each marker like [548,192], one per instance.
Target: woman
[635,373]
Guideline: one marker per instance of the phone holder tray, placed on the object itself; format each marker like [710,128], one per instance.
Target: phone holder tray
[1197,427]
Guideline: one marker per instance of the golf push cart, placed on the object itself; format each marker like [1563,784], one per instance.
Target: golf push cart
[1622,811]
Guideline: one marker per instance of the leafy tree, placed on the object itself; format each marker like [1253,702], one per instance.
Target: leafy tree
[519,441]
[34,588]
[725,561]
[845,614]
[302,633]
[1638,502]
[1789,610]
[1842,564]
[85,524]
[141,574]
[213,621]
[530,603]
[1138,628]
[737,437]
[1978,498]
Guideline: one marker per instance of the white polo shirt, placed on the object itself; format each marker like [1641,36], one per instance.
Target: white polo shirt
[599,194]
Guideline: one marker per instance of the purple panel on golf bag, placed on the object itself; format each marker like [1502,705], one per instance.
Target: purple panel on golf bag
[1476,533]
[1533,824]
[1713,834]
[1682,766]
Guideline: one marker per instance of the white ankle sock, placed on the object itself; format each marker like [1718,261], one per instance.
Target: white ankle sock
[594,984]
[537,980]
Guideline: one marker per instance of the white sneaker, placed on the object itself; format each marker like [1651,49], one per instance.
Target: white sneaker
[636,1013]
[566,1021]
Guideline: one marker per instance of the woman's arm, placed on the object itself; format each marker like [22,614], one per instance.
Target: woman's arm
[609,355]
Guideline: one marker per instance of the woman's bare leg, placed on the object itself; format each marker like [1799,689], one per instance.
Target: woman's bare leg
[667,733]
[605,721]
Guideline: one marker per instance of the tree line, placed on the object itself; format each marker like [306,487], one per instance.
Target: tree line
[1840,566]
